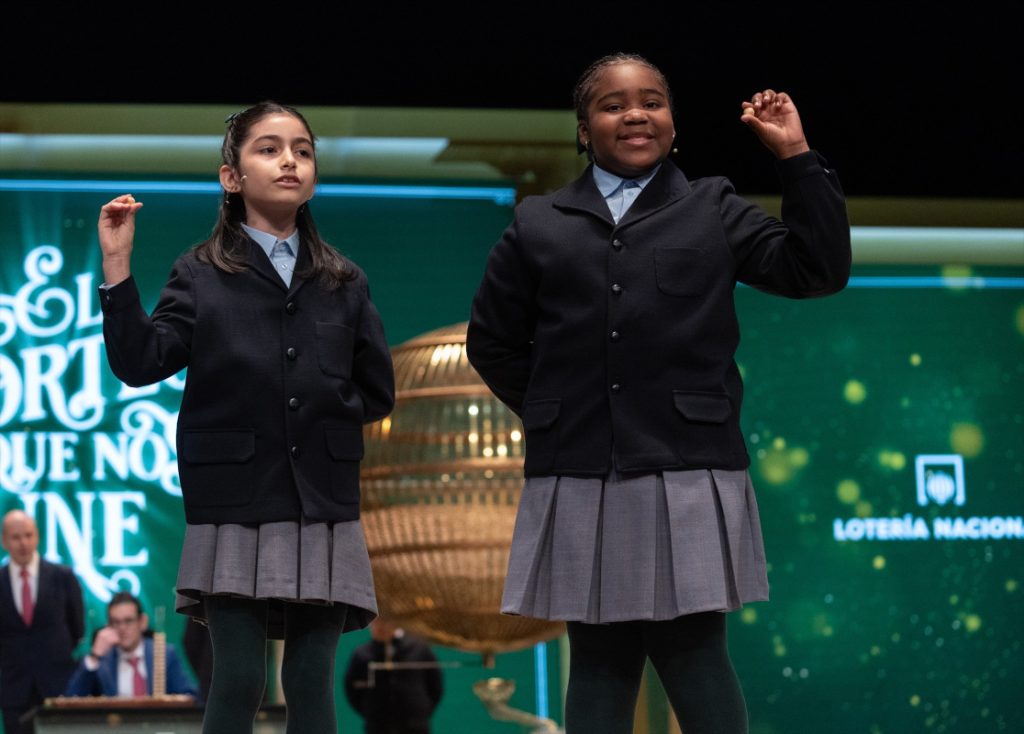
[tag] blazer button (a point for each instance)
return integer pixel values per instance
(290, 307)
(616, 387)
(294, 452)
(616, 288)
(617, 244)
(615, 336)
(293, 403)
(291, 353)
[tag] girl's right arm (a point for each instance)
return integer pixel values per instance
(117, 232)
(503, 318)
(141, 349)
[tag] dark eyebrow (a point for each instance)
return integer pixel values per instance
(621, 92)
(277, 139)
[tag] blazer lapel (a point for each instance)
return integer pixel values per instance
(107, 673)
(44, 587)
(667, 187)
(7, 606)
(303, 263)
(583, 195)
(147, 645)
(259, 262)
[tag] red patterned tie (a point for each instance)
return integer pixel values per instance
(138, 682)
(27, 608)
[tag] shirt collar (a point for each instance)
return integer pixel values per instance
(608, 182)
(266, 241)
(138, 652)
(33, 566)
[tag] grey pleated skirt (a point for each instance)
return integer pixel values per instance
(653, 547)
(293, 561)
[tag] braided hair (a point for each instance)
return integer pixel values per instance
(583, 92)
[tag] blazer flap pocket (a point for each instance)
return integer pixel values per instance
(218, 447)
(344, 444)
(703, 407)
(538, 414)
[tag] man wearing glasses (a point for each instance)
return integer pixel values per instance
(120, 662)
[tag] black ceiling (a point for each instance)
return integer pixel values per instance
(904, 99)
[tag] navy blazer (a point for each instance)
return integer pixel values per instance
(39, 656)
(615, 342)
(103, 680)
(280, 382)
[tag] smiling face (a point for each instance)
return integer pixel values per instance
(628, 124)
(276, 170)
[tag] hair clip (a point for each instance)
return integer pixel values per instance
(231, 118)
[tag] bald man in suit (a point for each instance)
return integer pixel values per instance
(41, 622)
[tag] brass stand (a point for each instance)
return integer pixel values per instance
(494, 693)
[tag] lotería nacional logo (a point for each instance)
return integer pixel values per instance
(940, 478)
(939, 482)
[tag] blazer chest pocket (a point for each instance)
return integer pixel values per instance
(217, 467)
(681, 271)
(334, 345)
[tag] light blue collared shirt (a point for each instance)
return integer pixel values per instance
(620, 193)
(282, 253)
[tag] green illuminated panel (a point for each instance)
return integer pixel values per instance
(886, 425)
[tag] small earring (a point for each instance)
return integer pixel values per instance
(243, 178)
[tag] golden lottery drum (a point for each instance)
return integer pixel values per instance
(441, 479)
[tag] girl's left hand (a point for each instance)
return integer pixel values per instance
(774, 119)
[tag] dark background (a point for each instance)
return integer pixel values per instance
(905, 99)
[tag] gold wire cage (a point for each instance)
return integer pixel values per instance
(440, 485)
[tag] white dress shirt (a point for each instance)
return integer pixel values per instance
(126, 672)
(620, 193)
(282, 253)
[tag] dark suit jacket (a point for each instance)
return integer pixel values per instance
(401, 700)
(617, 341)
(280, 382)
(103, 680)
(39, 655)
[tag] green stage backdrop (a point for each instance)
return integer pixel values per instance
(886, 425)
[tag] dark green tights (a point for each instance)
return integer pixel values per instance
(238, 629)
(690, 655)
